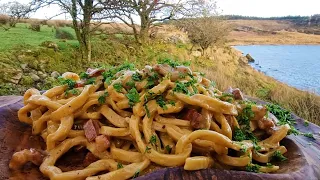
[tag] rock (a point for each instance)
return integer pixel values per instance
(23, 66)
(196, 53)
(250, 58)
(34, 77)
(55, 74)
(42, 74)
(16, 78)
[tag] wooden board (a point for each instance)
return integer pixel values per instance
(303, 153)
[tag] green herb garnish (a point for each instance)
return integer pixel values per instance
(69, 82)
(306, 123)
(269, 165)
(91, 81)
(278, 156)
(153, 140)
(102, 98)
(119, 165)
(136, 77)
(168, 149)
(131, 84)
(83, 75)
(309, 135)
(118, 87)
(133, 97)
(147, 110)
(168, 61)
(148, 150)
(136, 174)
(253, 168)
(161, 102)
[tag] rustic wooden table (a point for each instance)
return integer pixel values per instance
(303, 153)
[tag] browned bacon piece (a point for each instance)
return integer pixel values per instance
(22, 157)
(237, 94)
(266, 124)
(94, 72)
(196, 119)
(90, 158)
(165, 69)
(91, 129)
(102, 143)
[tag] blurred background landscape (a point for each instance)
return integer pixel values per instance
(37, 47)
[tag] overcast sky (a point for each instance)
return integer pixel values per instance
(261, 8)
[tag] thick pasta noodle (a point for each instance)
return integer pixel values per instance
(128, 118)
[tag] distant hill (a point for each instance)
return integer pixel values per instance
(306, 21)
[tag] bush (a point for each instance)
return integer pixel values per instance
(3, 19)
(35, 27)
(63, 34)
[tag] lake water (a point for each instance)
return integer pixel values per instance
(296, 65)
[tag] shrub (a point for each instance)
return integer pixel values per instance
(4, 19)
(35, 27)
(63, 34)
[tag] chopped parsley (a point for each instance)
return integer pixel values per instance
(131, 84)
(172, 103)
(72, 91)
(161, 102)
(136, 174)
(168, 149)
(91, 81)
(136, 77)
(168, 61)
(243, 149)
(245, 116)
(69, 82)
(246, 134)
(102, 98)
(83, 75)
(180, 87)
(109, 75)
(133, 97)
(153, 140)
(186, 63)
(118, 87)
(253, 168)
(147, 110)
(119, 165)
(284, 117)
(306, 123)
(151, 80)
(202, 74)
(148, 150)
(269, 165)
(278, 156)
(309, 135)
(213, 84)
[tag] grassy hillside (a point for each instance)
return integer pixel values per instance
(21, 60)
(272, 32)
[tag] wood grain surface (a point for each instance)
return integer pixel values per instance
(303, 153)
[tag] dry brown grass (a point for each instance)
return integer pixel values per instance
(281, 37)
(228, 70)
(268, 25)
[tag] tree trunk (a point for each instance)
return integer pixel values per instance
(83, 30)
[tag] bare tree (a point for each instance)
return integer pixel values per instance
(147, 12)
(207, 29)
(83, 13)
(15, 11)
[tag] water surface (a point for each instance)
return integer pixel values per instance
(296, 65)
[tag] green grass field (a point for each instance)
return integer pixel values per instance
(22, 35)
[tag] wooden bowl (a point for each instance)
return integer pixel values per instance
(303, 153)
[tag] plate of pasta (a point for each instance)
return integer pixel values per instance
(122, 123)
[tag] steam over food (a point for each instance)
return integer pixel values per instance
(164, 114)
